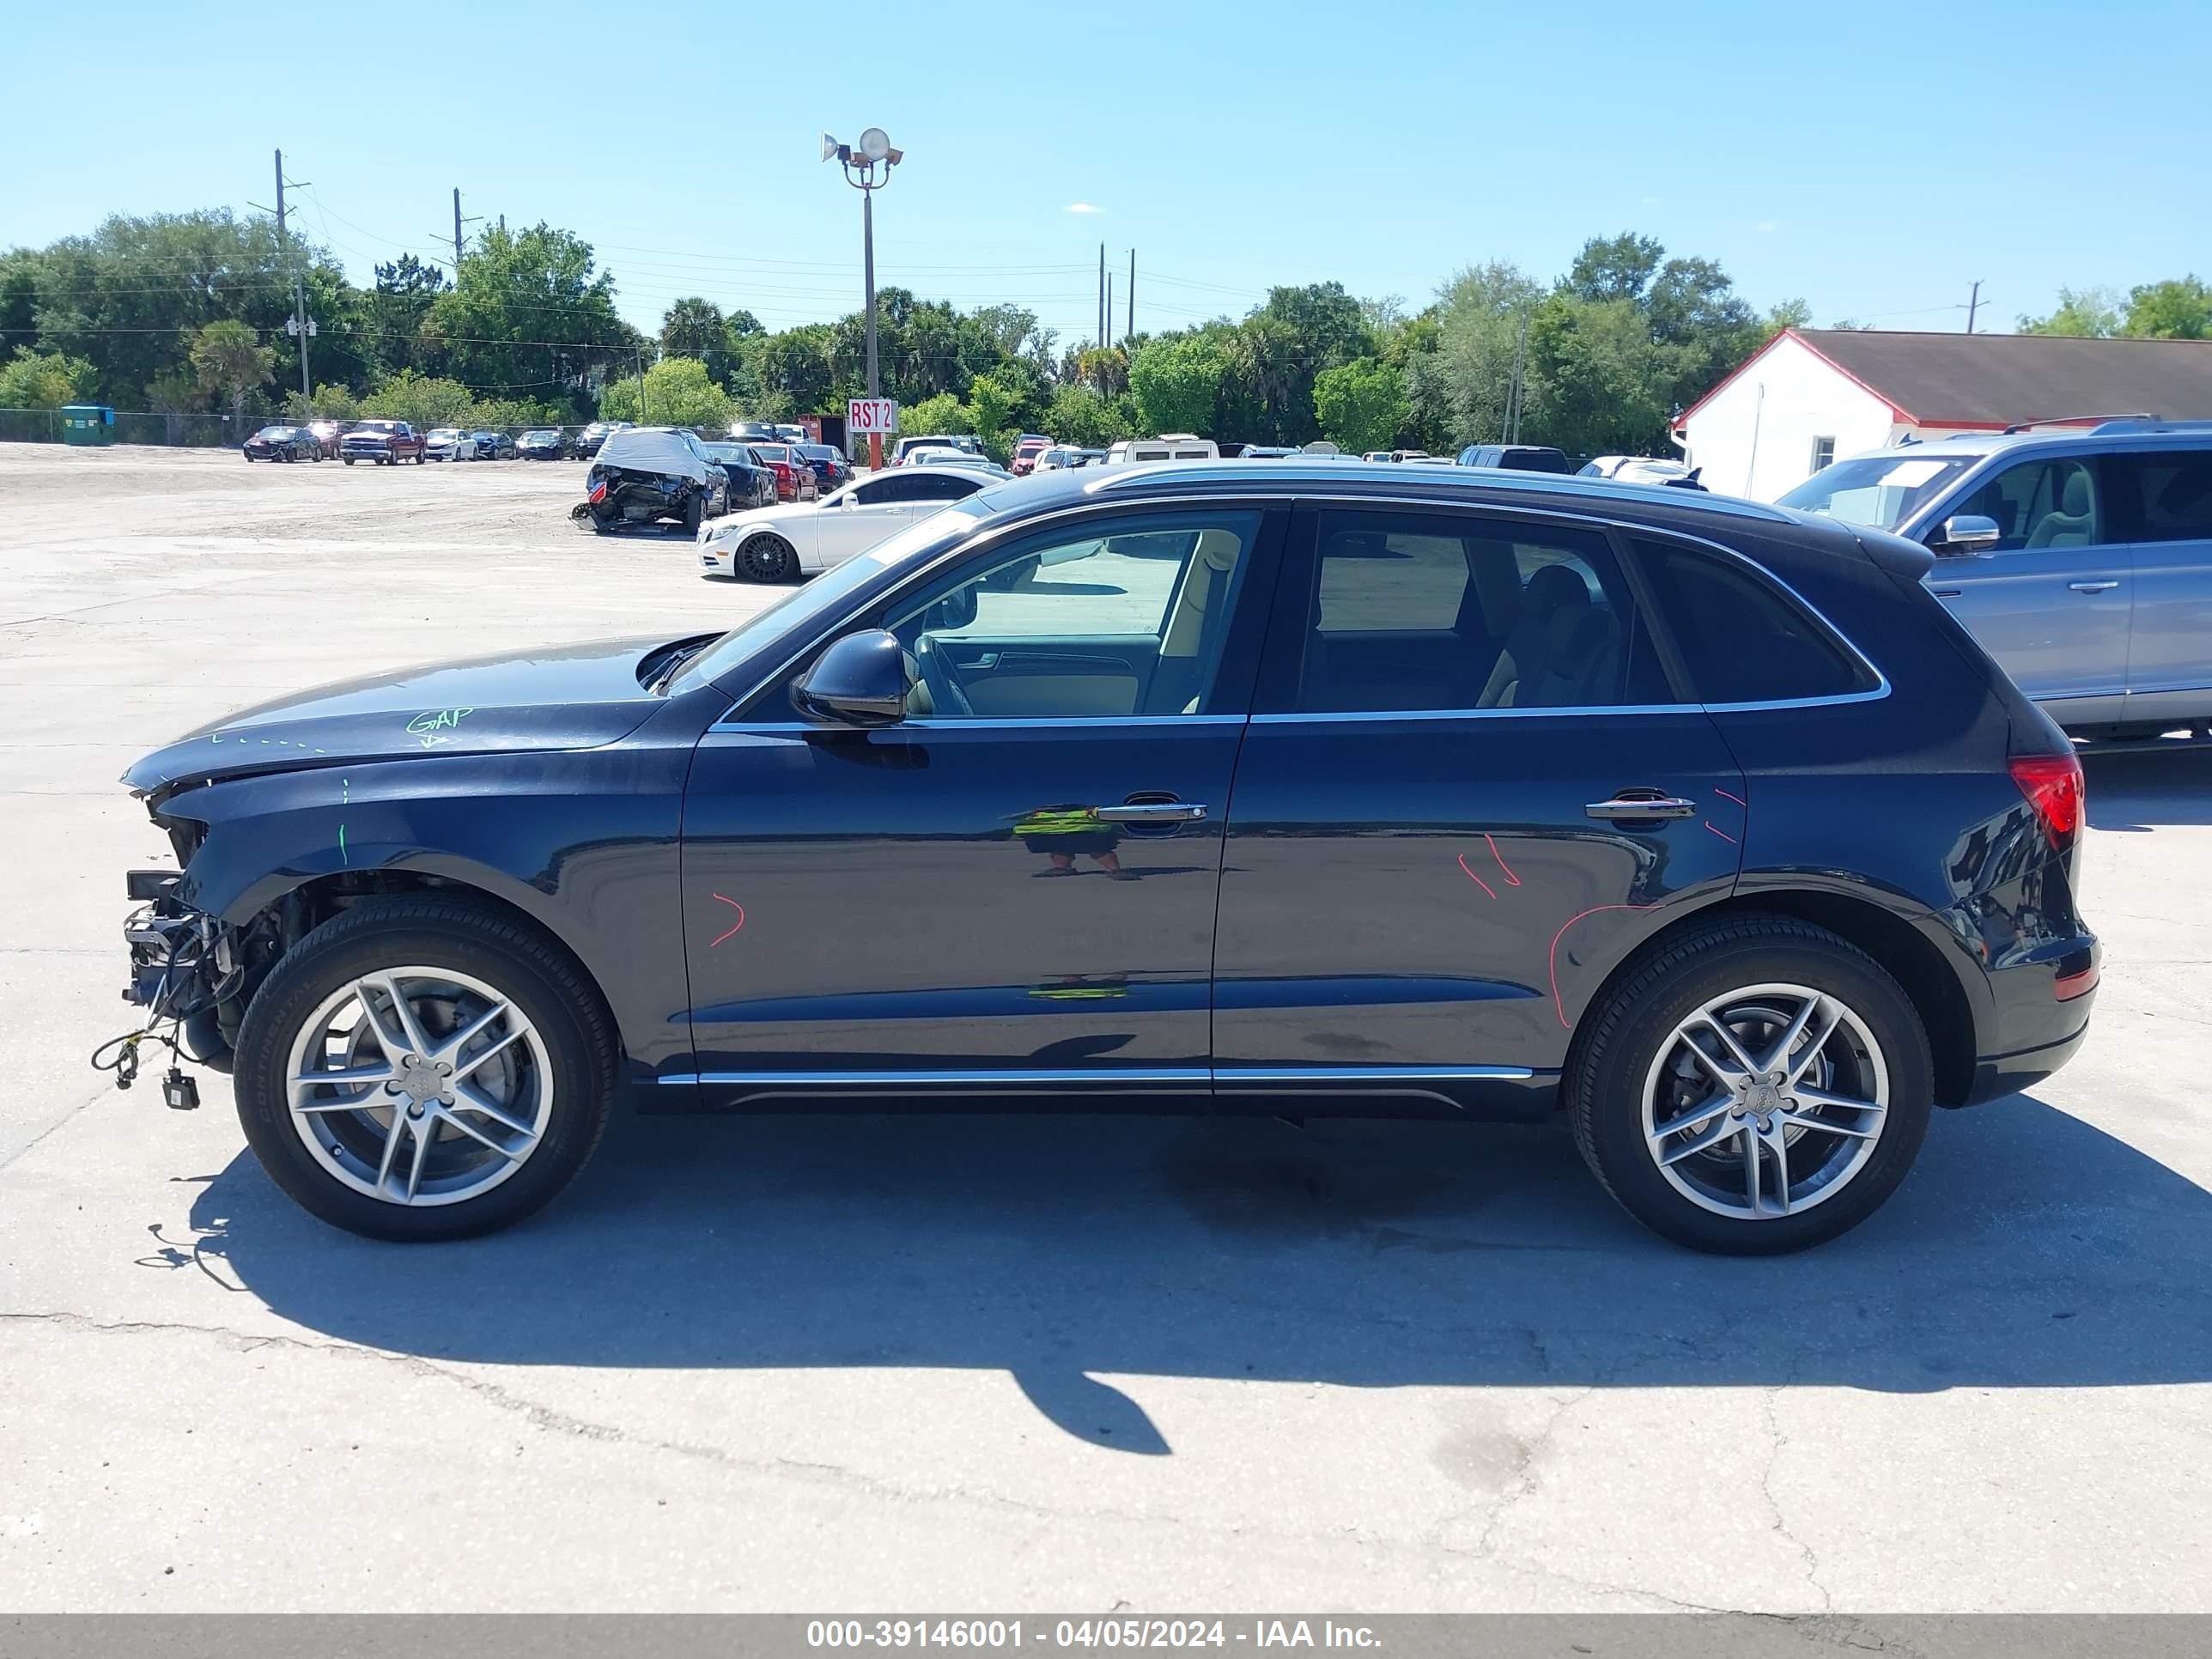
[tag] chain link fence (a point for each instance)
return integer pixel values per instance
(44, 425)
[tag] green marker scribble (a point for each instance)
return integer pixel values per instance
(345, 794)
(342, 856)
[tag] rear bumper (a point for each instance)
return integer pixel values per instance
(2042, 1007)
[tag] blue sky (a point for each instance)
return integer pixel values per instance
(1873, 159)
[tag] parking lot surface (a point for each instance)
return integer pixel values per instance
(991, 1363)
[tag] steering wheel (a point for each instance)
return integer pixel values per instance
(945, 695)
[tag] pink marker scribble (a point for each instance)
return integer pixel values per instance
(1476, 880)
(1511, 880)
(1553, 961)
(734, 926)
(1722, 834)
(1738, 800)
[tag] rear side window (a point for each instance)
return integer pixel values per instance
(2165, 496)
(1742, 639)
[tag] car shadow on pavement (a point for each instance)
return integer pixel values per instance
(2137, 791)
(2027, 1249)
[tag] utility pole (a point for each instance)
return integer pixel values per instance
(1132, 327)
(1973, 304)
(1102, 296)
(300, 327)
(1110, 302)
(1512, 433)
(457, 232)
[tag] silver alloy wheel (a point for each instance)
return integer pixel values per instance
(419, 1085)
(1765, 1102)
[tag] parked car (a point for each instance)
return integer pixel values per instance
(282, 443)
(589, 440)
(387, 443)
(545, 444)
(494, 446)
(1740, 908)
(1515, 458)
(906, 447)
(779, 544)
(450, 443)
(1266, 453)
(1641, 469)
(750, 431)
(1056, 458)
(1027, 448)
(961, 457)
(829, 466)
(752, 481)
(647, 475)
(2081, 559)
(1168, 446)
(794, 479)
(327, 434)
(791, 432)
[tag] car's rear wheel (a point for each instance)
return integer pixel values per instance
(1752, 1087)
(421, 1069)
(768, 559)
(695, 514)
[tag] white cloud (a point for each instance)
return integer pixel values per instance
(1082, 207)
(1767, 226)
(1652, 201)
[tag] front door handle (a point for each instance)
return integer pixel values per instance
(1643, 808)
(1947, 592)
(1154, 812)
(2093, 587)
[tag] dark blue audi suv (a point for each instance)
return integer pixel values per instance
(1292, 789)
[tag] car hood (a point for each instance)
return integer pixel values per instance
(573, 697)
(758, 518)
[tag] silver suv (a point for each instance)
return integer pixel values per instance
(2081, 558)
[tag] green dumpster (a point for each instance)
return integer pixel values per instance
(88, 423)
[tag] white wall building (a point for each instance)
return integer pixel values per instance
(1814, 395)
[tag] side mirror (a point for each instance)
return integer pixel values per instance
(861, 680)
(1967, 534)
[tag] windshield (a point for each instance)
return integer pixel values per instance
(1880, 491)
(823, 597)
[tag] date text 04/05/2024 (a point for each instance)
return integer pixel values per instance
(1131, 1632)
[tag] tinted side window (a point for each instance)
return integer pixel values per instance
(2164, 496)
(2039, 504)
(1743, 639)
(942, 488)
(1414, 612)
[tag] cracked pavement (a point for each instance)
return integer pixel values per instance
(996, 1362)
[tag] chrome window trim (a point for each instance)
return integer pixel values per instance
(1085, 722)
(1582, 520)
(1274, 1074)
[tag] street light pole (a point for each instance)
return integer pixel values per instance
(861, 162)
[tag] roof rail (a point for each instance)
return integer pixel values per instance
(2151, 423)
(2075, 420)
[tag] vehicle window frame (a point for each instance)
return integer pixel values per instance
(767, 705)
(1276, 696)
(2125, 524)
(2003, 463)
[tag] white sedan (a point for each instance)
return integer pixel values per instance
(450, 443)
(779, 544)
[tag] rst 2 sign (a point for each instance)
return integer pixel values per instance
(868, 416)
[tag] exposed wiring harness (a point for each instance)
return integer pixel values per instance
(191, 951)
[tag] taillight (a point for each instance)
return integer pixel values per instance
(599, 493)
(2054, 787)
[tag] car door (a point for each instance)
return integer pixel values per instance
(999, 892)
(1466, 775)
(2162, 502)
(860, 517)
(2051, 600)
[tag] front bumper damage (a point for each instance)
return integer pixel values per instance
(186, 966)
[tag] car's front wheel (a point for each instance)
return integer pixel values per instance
(1756, 1086)
(420, 1069)
(768, 558)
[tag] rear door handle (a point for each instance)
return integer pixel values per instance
(1154, 812)
(2093, 587)
(1947, 592)
(1642, 808)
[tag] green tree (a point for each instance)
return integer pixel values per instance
(795, 366)
(1361, 404)
(1615, 268)
(1175, 383)
(1461, 389)
(231, 363)
(335, 403)
(529, 312)
(2177, 309)
(943, 414)
(998, 402)
(2090, 312)
(33, 380)
(695, 327)
(422, 400)
(1599, 383)
(1078, 415)
(678, 392)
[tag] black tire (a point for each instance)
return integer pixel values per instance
(695, 514)
(767, 558)
(543, 982)
(348, 459)
(1620, 1042)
